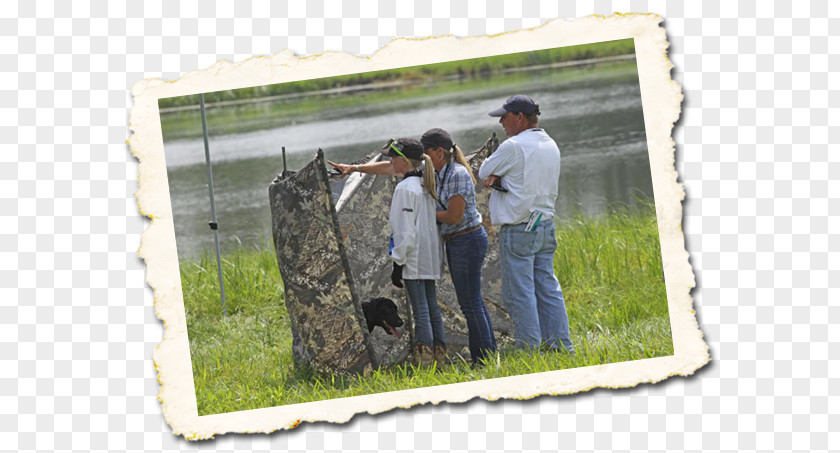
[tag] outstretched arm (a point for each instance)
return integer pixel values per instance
(376, 168)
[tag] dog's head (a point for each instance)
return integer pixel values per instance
(382, 312)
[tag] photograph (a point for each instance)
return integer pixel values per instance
(414, 227)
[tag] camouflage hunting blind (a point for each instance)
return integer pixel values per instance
(333, 256)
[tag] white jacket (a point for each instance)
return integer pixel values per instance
(417, 244)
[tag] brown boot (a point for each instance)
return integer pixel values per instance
(422, 354)
(439, 353)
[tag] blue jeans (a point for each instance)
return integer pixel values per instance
(428, 323)
(530, 289)
(465, 255)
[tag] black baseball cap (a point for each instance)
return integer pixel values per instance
(518, 103)
(434, 138)
(403, 147)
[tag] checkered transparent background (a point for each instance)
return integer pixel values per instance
(760, 112)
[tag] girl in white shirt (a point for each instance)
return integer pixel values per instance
(417, 251)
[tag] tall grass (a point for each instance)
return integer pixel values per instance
(610, 268)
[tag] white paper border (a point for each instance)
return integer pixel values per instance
(661, 98)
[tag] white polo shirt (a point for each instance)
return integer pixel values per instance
(529, 165)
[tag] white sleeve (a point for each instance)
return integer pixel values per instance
(403, 224)
(500, 162)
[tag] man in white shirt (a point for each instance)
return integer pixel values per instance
(527, 165)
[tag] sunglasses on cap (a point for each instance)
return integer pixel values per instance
(393, 145)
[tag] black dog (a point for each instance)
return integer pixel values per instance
(382, 312)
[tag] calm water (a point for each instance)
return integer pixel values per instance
(596, 119)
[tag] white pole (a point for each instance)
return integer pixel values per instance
(213, 224)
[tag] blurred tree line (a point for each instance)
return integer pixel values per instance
(472, 68)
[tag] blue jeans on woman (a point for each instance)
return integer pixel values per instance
(465, 255)
(428, 323)
(530, 289)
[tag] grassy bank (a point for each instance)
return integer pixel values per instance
(610, 268)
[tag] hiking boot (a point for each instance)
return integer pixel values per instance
(439, 353)
(422, 354)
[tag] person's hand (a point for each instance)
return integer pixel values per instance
(343, 168)
(491, 180)
(396, 275)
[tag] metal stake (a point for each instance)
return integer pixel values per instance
(213, 224)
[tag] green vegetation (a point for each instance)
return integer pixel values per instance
(476, 67)
(610, 268)
(283, 104)
(316, 106)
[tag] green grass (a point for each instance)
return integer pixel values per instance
(610, 268)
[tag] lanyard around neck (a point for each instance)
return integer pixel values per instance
(442, 183)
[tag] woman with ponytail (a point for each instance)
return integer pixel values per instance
(417, 249)
(463, 236)
(460, 230)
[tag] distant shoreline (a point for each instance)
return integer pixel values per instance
(395, 84)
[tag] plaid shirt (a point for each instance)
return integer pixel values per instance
(457, 182)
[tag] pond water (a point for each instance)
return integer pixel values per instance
(594, 114)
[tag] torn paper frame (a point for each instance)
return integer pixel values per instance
(661, 99)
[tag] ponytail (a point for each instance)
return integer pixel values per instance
(428, 174)
(429, 177)
(459, 157)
